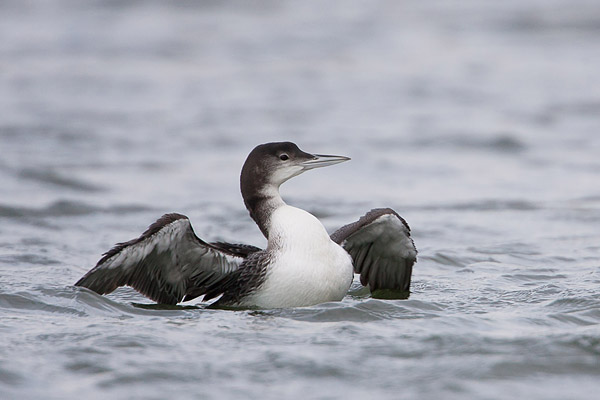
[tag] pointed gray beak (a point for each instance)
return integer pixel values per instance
(320, 160)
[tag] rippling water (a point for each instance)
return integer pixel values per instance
(478, 122)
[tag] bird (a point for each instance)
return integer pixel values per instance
(302, 265)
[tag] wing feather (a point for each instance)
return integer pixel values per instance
(381, 248)
(167, 263)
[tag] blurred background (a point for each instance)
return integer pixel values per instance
(479, 122)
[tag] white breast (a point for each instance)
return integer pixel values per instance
(306, 267)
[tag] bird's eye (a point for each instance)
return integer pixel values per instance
(284, 157)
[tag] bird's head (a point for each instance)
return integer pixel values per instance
(271, 164)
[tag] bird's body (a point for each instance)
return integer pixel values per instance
(302, 264)
(305, 266)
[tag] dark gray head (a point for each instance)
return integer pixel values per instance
(271, 164)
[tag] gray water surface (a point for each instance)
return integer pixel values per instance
(479, 122)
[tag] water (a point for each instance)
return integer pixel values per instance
(478, 122)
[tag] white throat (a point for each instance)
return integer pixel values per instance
(293, 228)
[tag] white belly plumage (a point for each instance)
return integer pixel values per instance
(306, 267)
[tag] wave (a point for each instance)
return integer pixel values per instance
(61, 208)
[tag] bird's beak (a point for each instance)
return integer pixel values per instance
(320, 160)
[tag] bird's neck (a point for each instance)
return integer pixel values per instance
(261, 203)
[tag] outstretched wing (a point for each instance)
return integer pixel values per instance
(382, 251)
(167, 263)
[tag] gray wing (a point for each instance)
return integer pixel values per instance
(167, 263)
(382, 251)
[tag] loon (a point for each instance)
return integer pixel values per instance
(302, 265)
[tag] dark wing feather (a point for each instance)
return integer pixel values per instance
(166, 263)
(242, 250)
(381, 248)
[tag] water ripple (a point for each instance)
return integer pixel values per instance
(48, 176)
(62, 208)
(29, 302)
